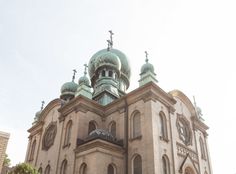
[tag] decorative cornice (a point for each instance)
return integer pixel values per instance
(198, 124)
(185, 100)
(149, 91)
(49, 107)
(98, 143)
(36, 129)
(83, 104)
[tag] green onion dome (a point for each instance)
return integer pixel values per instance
(147, 67)
(125, 70)
(37, 116)
(84, 80)
(68, 88)
(107, 59)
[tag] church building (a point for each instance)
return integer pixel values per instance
(96, 127)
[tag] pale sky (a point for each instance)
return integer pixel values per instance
(191, 44)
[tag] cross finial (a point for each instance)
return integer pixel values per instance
(42, 105)
(194, 101)
(109, 45)
(110, 41)
(73, 77)
(85, 68)
(146, 55)
(111, 38)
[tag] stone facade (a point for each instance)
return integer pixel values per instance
(146, 131)
(4, 137)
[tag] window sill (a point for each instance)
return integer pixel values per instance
(136, 138)
(164, 139)
(66, 146)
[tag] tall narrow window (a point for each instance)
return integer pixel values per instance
(110, 169)
(163, 126)
(83, 169)
(113, 128)
(68, 133)
(64, 167)
(165, 165)
(92, 126)
(203, 152)
(31, 157)
(103, 73)
(110, 73)
(47, 170)
(136, 125)
(137, 165)
(40, 170)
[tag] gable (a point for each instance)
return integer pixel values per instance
(181, 96)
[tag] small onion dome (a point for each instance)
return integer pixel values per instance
(199, 111)
(84, 81)
(100, 133)
(125, 65)
(108, 59)
(37, 116)
(147, 67)
(69, 88)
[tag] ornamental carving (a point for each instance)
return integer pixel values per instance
(184, 151)
(184, 130)
(49, 136)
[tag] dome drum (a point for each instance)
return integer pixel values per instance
(112, 59)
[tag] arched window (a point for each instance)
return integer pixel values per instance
(112, 128)
(83, 169)
(137, 165)
(40, 170)
(47, 170)
(203, 152)
(64, 167)
(68, 133)
(31, 157)
(136, 125)
(165, 165)
(92, 126)
(110, 169)
(163, 128)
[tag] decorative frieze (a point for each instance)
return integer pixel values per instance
(183, 151)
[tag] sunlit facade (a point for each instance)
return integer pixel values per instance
(96, 127)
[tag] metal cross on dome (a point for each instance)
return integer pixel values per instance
(85, 68)
(73, 77)
(146, 54)
(110, 42)
(111, 39)
(42, 105)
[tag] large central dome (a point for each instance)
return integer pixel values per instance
(125, 66)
